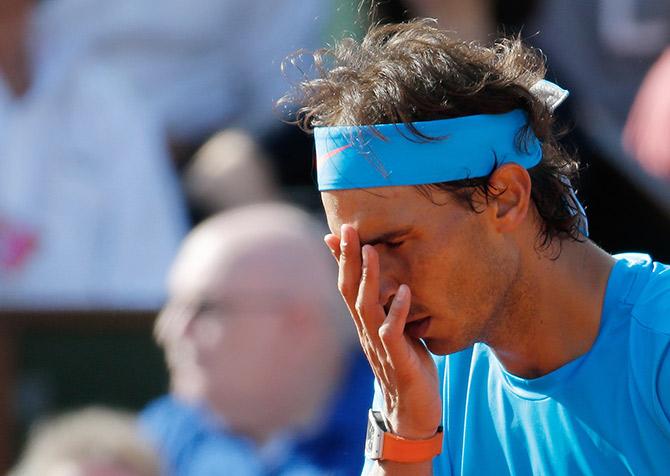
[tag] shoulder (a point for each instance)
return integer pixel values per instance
(172, 425)
(190, 443)
(165, 411)
(649, 301)
(652, 308)
(648, 294)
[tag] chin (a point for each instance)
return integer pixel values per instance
(444, 346)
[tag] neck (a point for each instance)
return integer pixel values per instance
(554, 315)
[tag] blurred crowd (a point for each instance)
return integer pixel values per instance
(100, 104)
(140, 145)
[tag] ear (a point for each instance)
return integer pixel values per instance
(510, 207)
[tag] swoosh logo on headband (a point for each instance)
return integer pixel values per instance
(331, 154)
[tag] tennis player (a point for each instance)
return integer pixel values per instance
(502, 339)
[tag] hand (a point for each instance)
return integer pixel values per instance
(402, 365)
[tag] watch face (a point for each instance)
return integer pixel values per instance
(369, 437)
(373, 439)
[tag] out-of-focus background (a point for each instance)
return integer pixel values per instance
(124, 124)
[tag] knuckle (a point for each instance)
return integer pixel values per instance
(357, 324)
(344, 287)
(344, 253)
(365, 274)
(364, 345)
(360, 306)
(385, 332)
(369, 354)
(356, 316)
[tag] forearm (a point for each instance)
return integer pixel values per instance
(391, 468)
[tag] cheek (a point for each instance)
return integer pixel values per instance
(206, 335)
(449, 276)
(209, 335)
(220, 347)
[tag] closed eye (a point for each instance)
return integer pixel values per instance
(393, 244)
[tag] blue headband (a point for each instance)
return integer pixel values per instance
(464, 147)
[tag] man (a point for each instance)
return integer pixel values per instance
(458, 234)
(84, 163)
(93, 441)
(266, 377)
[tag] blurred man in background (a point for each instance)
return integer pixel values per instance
(265, 378)
(96, 97)
(91, 213)
(610, 55)
(229, 170)
(90, 442)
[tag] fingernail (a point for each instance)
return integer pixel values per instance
(364, 253)
(402, 292)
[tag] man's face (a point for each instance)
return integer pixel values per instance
(233, 325)
(457, 267)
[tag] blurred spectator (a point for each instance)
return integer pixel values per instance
(229, 170)
(265, 375)
(472, 20)
(93, 96)
(90, 442)
(601, 51)
(200, 65)
(475, 20)
(646, 135)
(90, 210)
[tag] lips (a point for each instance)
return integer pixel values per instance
(417, 328)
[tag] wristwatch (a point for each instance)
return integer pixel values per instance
(382, 445)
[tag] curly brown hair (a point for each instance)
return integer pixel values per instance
(413, 71)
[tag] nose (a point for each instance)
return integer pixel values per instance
(388, 283)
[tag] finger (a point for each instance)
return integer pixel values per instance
(333, 243)
(391, 332)
(349, 276)
(349, 283)
(367, 302)
(350, 265)
(371, 312)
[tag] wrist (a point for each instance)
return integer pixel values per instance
(406, 428)
(381, 444)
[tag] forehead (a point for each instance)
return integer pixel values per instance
(380, 209)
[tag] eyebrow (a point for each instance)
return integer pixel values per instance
(385, 237)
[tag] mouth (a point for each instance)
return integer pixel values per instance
(417, 328)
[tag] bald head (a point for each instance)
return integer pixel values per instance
(267, 250)
(261, 254)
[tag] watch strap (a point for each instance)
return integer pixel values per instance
(403, 450)
(383, 445)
